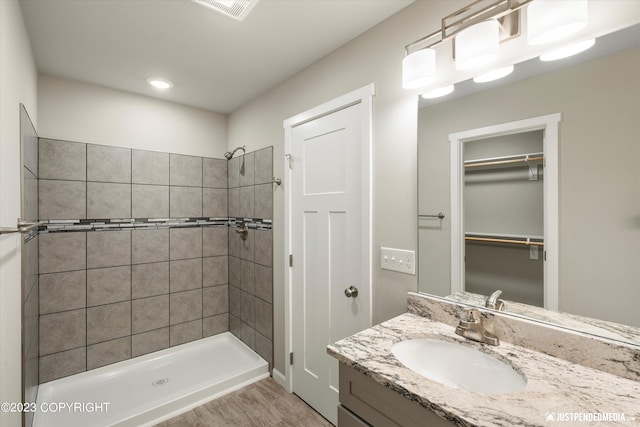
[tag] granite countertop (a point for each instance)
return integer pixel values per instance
(555, 387)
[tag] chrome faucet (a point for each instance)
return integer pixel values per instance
(473, 328)
(493, 301)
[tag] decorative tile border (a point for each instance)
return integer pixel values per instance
(70, 225)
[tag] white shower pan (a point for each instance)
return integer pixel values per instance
(148, 389)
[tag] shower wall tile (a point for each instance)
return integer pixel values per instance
(233, 168)
(108, 164)
(185, 170)
(108, 248)
(264, 347)
(264, 317)
(63, 364)
(234, 202)
(215, 241)
(247, 202)
(234, 301)
(149, 279)
(109, 352)
(264, 283)
(62, 199)
(247, 247)
(264, 165)
(185, 202)
(247, 276)
(62, 291)
(247, 308)
(149, 201)
(73, 257)
(62, 160)
(214, 203)
(185, 243)
(148, 342)
(185, 275)
(215, 324)
(149, 167)
(108, 285)
(149, 246)
(107, 322)
(247, 170)
(264, 248)
(214, 173)
(116, 294)
(264, 201)
(215, 271)
(234, 271)
(185, 332)
(215, 300)
(150, 313)
(185, 306)
(105, 200)
(62, 331)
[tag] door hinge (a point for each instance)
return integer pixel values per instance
(290, 159)
(544, 255)
(290, 260)
(291, 358)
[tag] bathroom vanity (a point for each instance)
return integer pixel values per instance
(377, 389)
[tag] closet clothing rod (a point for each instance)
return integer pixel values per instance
(527, 242)
(524, 158)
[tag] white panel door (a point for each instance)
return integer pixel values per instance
(329, 248)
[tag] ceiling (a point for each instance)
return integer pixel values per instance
(214, 62)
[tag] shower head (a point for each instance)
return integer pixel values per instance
(229, 154)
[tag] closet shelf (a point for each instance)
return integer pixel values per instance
(514, 239)
(505, 161)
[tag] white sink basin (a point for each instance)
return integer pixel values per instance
(458, 366)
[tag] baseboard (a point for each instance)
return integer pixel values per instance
(280, 379)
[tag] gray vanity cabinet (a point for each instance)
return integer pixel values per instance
(364, 402)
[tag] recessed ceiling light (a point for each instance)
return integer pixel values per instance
(567, 51)
(436, 93)
(159, 83)
(494, 74)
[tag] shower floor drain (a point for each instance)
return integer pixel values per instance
(160, 382)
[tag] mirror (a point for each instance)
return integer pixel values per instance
(597, 94)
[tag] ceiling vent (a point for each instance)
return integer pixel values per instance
(236, 9)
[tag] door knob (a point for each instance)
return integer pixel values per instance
(351, 292)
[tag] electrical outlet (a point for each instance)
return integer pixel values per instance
(400, 260)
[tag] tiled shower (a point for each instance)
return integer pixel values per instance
(139, 253)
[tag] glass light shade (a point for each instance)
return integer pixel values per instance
(567, 51)
(477, 45)
(494, 74)
(419, 69)
(549, 21)
(437, 93)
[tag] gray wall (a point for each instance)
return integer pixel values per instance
(599, 178)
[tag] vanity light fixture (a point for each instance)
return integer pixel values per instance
(567, 51)
(494, 74)
(550, 21)
(419, 69)
(158, 83)
(437, 93)
(477, 30)
(477, 45)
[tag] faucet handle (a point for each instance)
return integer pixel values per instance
(471, 315)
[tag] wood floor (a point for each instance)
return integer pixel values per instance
(262, 404)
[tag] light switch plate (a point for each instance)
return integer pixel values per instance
(400, 260)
